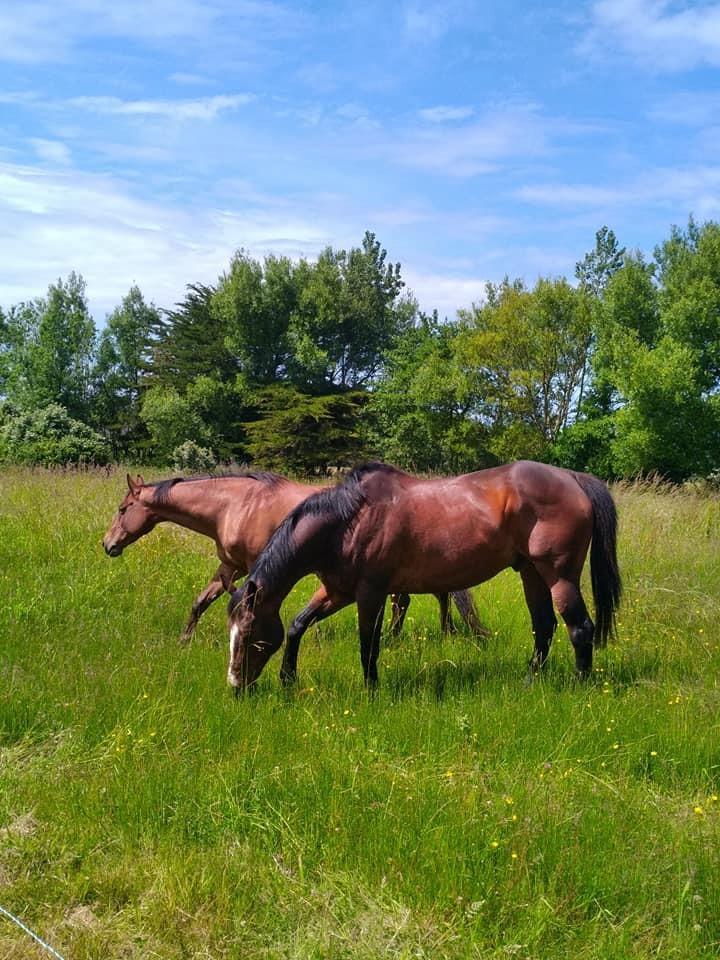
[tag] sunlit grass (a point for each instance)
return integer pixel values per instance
(145, 812)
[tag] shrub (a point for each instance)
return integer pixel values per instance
(48, 436)
(191, 456)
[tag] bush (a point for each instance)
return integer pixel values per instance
(49, 436)
(191, 456)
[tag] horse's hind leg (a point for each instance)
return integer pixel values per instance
(571, 606)
(209, 595)
(542, 614)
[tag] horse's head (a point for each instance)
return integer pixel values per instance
(256, 633)
(132, 521)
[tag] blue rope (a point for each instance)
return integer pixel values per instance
(29, 931)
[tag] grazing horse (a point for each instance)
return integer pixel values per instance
(382, 530)
(239, 512)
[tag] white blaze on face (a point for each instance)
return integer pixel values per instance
(234, 632)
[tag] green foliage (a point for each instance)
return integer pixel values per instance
(122, 363)
(349, 311)
(587, 445)
(171, 419)
(667, 426)
(595, 270)
(193, 458)
(619, 375)
(526, 351)
(192, 342)
(422, 405)
(302, 434)
(47, 350)
(689, 296)
(253, 304)
(49, 436)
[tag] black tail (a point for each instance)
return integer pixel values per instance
(465, 604)
(604, 570)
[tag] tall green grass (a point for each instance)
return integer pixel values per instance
(146, 813)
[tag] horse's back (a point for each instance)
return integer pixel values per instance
(458, 531)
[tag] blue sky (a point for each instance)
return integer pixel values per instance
(145, 142)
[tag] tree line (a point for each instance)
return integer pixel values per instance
(303, 366)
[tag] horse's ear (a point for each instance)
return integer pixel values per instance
(251, 592)
(140, 482)
(133, 487)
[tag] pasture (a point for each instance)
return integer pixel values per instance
(147, 813)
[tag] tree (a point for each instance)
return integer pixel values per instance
(525, 350)
(593, 273)
(121, 368)
(349, 312)
(689, 295)
(192, 342)
(61, 357)
(253, 304)
(304, 434)
(18, 335)
(421, 410)
(597, 267)
(666, 424)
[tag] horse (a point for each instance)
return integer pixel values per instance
(383, 530)
(240, 511)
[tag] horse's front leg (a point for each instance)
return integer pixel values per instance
(217, 586)
(371, 604)
(322, 604)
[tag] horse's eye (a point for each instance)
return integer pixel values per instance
(121, 510)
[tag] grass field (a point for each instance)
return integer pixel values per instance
(146, 813)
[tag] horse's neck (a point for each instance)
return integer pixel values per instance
(194, 505)
(298, 560)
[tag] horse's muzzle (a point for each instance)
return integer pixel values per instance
(112, 551)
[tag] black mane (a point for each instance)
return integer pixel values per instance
(163, 487)
(338, 506)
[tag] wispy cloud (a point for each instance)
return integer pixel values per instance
(203, 108)
(697, 109)
(471, 149)
(39, 31)
(52, 151)
(692, 189)
(656, 33)
(445, 114)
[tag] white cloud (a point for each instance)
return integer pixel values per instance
(570, 195)
(471, 149)
(697, 109)
(202, 108)
(689, 189)
(52, 151)
(40, 31)
(445, 292)
(445, 114)
(656, 33)
(52, 223)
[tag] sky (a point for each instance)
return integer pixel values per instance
(145, 142)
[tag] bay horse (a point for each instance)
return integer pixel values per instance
(383, 530)
(239, 511)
